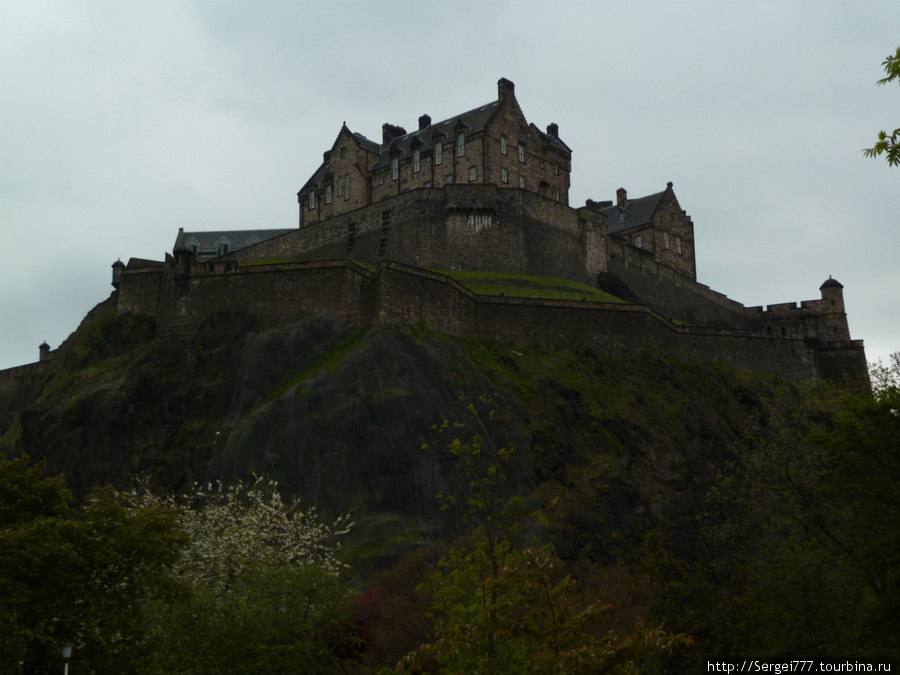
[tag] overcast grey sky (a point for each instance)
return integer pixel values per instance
(122, 121)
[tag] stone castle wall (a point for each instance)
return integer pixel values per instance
(399, 294)
(472, 227)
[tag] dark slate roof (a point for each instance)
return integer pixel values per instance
(637, 212)
(473, 121)
(831, 283)
(553, 141)
(236, 239)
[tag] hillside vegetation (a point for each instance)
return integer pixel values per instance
(658, 482)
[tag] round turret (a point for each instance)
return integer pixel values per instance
(44, 351)
(117, 268)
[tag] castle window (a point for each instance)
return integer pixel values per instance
(448, 178)
(438, 153)
(638, 241)
(556, 169)
(312, 200)
(521, 152)
(504, 175)
(347, 187)
(678, 245)
(666, 239)
(417, 162)
(522, 182)
(327, 194)
(461, 144)
(473, 173)
(428, 184)
(503, 145)
(340, 186)
(343, 152)
(395, 168)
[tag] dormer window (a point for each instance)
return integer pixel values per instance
(461, 144)
(395, 168)
(438, 153)
(327, 194)
(312, 200)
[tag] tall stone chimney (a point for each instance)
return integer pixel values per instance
(621, 197)
(424, 122)
(505, 89)
(389, 132)
(553, 129)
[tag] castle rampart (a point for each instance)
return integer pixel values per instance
(472, 227)
(396, 293)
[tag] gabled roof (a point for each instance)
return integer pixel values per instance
(637, 212)
(323, 173)
(473, 121)
(236, 239)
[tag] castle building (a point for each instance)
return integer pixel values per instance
(490, 145)
(384, 227)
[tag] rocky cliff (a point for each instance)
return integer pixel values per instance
(339, 418)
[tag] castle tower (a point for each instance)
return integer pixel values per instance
(833, 323)
(44, 351)
(117, 268)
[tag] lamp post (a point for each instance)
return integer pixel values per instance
(66, 656)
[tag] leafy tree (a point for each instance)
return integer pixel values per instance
(273, 619)
(264, 579)
(810, 519)
(77, 577)
(888, 144)
(501, 608)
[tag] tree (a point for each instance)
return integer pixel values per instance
(263, 580)
(503, 608)
(80, 577)
(810, 520)
(889, 144)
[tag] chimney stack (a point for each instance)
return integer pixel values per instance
(621, 197)
(389, 132)
(424, 122)
(44, 352)
(553, 129)
(505, 88)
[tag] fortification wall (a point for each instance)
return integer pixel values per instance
(399, 294)
(636, 276)
(458, 226)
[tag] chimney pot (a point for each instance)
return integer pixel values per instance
(424, 122)
(621, 197)
(553, 129)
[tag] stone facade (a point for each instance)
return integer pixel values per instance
(493, 144)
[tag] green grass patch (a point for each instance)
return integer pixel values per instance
(528, 286)
(328, 362)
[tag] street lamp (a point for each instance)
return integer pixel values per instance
(67, 656)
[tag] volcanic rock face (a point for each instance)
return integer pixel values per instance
(340, 419)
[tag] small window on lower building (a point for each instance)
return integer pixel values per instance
(473, 173)
(639, 241)
(448, 178)
(521, 181)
